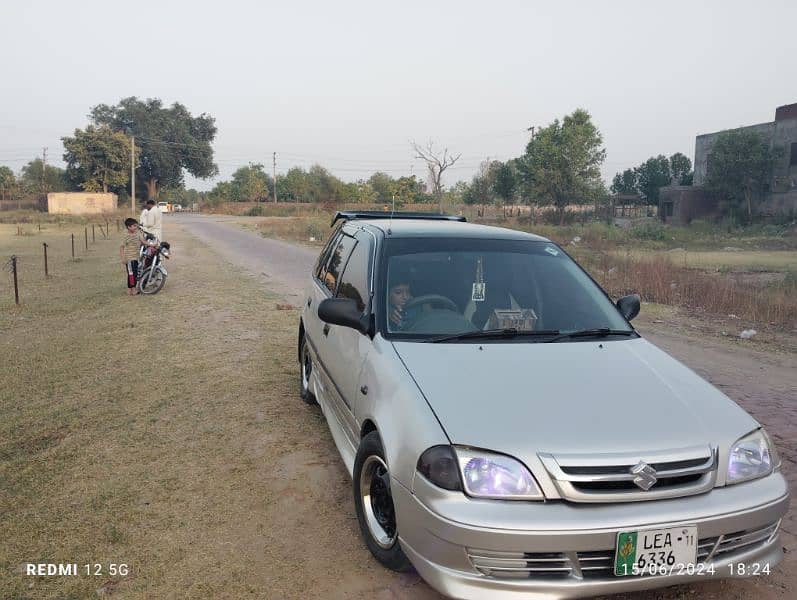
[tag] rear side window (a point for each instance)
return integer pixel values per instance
(330, 272)
(354, 280)
(322, 258)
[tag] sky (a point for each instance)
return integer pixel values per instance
(350, 84)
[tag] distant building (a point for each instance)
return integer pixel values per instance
(80, 203)
(780, 196)
(680, 204)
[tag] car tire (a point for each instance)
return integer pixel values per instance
(305, 370)
(374, 504)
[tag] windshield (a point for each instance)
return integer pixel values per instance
(440, 287)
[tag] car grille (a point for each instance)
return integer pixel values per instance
(600, 563)
(615, 477)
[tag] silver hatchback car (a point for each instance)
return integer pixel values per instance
(509, 433)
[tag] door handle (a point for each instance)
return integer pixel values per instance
(326, 329)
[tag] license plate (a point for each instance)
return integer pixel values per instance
(655, 551)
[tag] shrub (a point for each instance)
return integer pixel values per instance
(649, 231)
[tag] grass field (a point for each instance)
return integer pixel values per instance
(140, 430)
(746, 260)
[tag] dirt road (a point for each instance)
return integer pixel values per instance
(763, 383)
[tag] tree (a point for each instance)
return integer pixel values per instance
(251, 184)
(294, 185)
(681, 169)
(479, 191)
(562, 161)
(436, 164)
(653, 174)
(502, 180)
(171, 139)
(97, 159)
(383, 186)
(322, 185)
(7, 181)
(408, 190)
(740, 168)
(35, 178)
(625, 182)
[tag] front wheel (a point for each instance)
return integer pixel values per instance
(373, 502)
(305, 370)
(151, 285)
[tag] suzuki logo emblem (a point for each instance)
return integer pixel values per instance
(645, 475)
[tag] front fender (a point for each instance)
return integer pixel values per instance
(162, 269)
(406, 424)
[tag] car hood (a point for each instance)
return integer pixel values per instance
(601, 397)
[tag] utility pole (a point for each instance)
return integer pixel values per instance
(44, 170)
(133, 176)
(274, 158)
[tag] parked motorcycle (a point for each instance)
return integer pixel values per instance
(151, 272)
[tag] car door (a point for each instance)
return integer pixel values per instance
(324, 286)
(348, 347)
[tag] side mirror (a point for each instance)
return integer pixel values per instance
(629, 306)
(342, 311)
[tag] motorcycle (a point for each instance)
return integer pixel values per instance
(151, 272)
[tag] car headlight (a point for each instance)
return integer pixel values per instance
(488, 475)
(751, 457)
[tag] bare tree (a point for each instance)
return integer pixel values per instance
(436, 163)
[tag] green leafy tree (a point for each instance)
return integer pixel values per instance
(7, 182)
(740, 168)
(653, 174)
(562, 162)
(625, 182)
(502, 180)
(294, 185)
(681, 169)
(408, 190)
(221, 192)
(97, 159)
(251, 184)
(171, 140)
(32, 182)
(323, 187)
(383, 185)
(479, 191)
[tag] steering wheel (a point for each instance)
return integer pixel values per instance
(433, 299)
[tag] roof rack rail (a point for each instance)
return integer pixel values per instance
(351, 215)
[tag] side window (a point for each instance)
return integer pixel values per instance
(322, 258)
(354, 280)
(330, 272)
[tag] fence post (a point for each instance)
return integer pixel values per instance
(86, 234)
(16, 284)
(93, 235)
(73, 246)
(46, 271)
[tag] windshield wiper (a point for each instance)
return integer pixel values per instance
(596, 333)
(510, 332)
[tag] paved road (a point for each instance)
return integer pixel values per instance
(764, 383)
(283, 266)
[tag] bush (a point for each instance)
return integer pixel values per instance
(649, 231)
(255, 211)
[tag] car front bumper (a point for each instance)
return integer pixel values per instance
(468, 548)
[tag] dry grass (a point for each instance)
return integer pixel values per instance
(659, 279)
(747, 260)
(160, 432)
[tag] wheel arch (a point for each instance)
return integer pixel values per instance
(299, 341)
